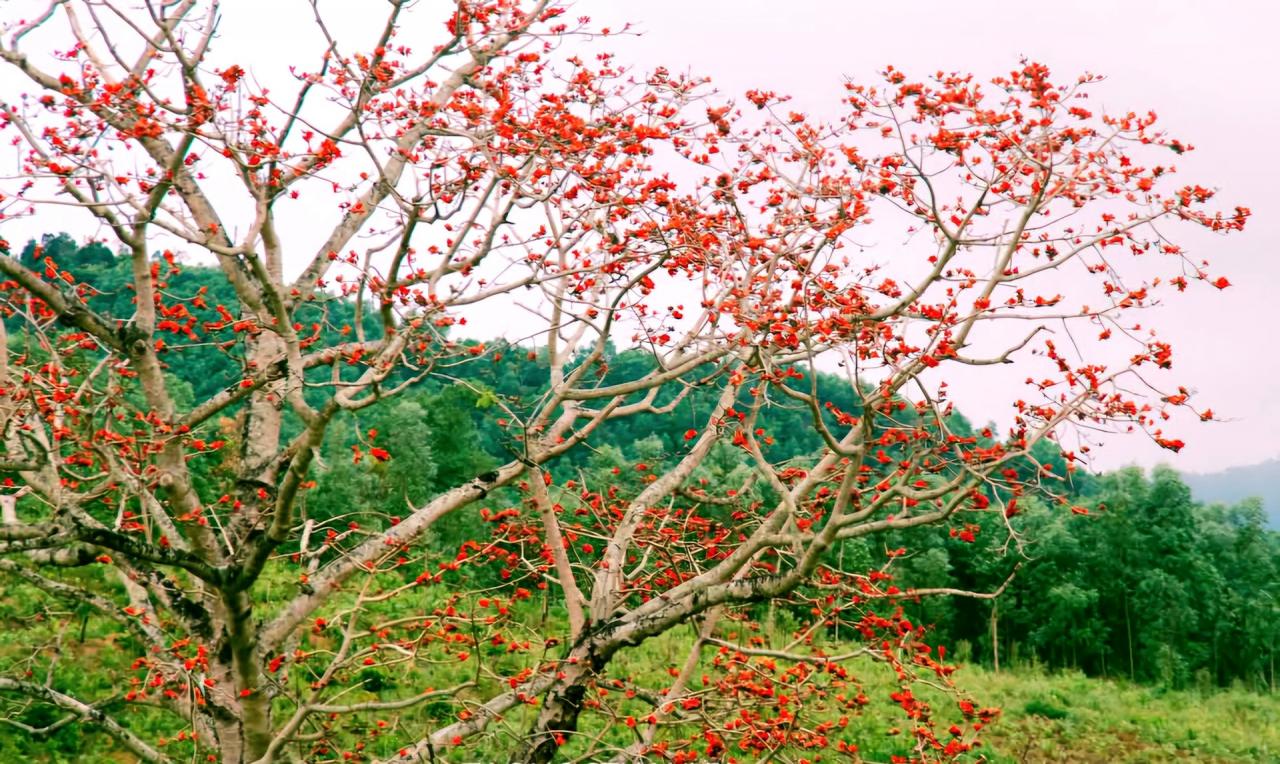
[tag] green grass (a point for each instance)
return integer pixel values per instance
(1049, 717)
(1046, 717)
(1100, 720)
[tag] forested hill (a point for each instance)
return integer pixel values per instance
(1261, 480)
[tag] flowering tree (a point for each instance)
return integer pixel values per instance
(402, 186)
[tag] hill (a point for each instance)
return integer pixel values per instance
(1231, 485)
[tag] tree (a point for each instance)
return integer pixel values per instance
(432, 181)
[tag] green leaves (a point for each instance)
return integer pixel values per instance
(486, 398)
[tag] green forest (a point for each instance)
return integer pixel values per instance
(1123, 575)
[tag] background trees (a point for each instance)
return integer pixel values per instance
(310, 553)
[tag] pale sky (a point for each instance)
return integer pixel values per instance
(1208, 69)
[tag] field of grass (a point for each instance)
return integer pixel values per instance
(1067, 718)
(1062, 717)
(1045, 717)
(1072, 718)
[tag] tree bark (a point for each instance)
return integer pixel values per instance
(255, 706)
(1128, 632)
(562, 704)
(995, 637)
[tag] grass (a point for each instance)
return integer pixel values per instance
(1063, 717)
(1046, 717)
(1072, 718)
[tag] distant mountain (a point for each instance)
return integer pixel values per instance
(1232, 485)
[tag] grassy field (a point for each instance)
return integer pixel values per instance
(1064, 717)
(1068, 718)
(1045, 717)
(1072, 718)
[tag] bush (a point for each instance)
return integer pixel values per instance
(1044, 708)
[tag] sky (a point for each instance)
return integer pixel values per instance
(1208, 69)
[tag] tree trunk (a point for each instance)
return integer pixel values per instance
(995, 637)
(1128, 631)
(9, 509)
(1217, 674)
(558, 718)
(231, 742)
(247, 737)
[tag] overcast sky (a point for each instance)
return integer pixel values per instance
(1208, 69)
